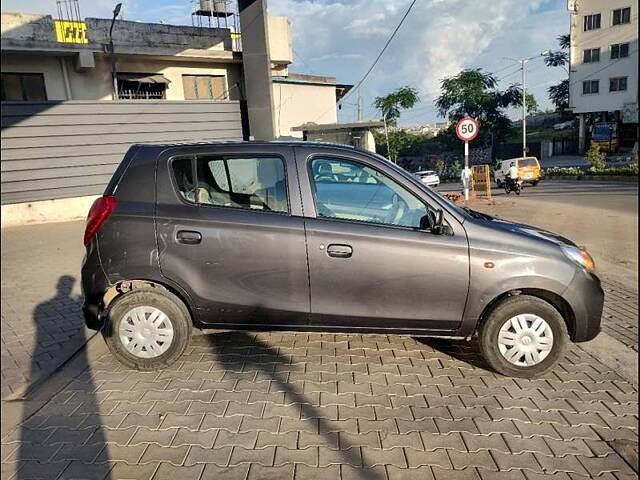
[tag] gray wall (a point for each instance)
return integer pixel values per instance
(69, 149)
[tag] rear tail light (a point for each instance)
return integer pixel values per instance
(98, 214)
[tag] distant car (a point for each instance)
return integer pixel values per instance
(428, 177)
(563, 125)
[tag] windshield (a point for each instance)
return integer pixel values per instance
(603, 131)
(527, 162)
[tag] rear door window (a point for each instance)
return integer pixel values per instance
(255, 183)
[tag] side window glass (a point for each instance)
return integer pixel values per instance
(183, 172)
(251, 183)
(351, 191)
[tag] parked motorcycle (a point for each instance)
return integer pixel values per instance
(512, 185)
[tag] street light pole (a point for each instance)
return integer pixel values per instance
(523, 64)
(524, 109)
(386, 134)
(114, 78)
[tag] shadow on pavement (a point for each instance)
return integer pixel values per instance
(254, 358)
(463, 350)
(48, 446)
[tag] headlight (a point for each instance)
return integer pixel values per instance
(580, 257)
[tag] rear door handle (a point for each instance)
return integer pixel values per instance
(339, 251)
(189, 237)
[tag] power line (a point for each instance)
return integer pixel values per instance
(395, 31)
(383, 49)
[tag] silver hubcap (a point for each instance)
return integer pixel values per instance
(146, 332)
(525, 340)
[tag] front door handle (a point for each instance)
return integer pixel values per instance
(339, 251)
(189, 237)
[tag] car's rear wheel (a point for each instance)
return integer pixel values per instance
(147, 329)
(524, 336)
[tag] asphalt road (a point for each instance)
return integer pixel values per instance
(619, 197)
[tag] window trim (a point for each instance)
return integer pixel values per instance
(194, 170)
(593, 15)
(590, 83)
(617, 79)
(312, 184)
(590, 50)
(621, 10)
(619, 56)
(20, 76)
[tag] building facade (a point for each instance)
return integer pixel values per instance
(71, 106)
(603, 78)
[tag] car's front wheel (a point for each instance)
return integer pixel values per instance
(524, 336)
(147, 329)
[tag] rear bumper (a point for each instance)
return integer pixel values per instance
(94, 285)
(586, 298)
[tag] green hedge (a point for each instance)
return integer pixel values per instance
(575, 171)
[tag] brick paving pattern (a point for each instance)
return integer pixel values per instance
(301, 406)
(282, 405)
(620, 315)
(42, 323)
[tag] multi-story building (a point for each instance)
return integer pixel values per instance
(603, 78)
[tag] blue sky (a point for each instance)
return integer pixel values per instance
(342, 37)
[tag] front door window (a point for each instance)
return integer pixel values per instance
(348, 190)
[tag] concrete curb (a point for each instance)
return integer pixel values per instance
(594, 178)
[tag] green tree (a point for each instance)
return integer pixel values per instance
(532, 104)
(440, 166)
(596, 158)
(474, 93)
(401, 99)
(559, 94)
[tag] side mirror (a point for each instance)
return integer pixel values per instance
(436, 223)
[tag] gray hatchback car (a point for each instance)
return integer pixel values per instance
(320, 237)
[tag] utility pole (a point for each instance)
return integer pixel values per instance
(359, 106)
(114, 78)
(524, 109)
(386, 134)
(523, 64)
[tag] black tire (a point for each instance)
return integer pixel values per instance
(161, 299)
(509, 308)
(518, 190)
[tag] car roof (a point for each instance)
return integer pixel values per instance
(291, 143)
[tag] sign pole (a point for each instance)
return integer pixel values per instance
(466, 169)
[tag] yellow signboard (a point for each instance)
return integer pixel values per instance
(71, 32)
(481, 179)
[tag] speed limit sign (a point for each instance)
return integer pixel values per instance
(467, 129)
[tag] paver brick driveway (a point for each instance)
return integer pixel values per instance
(306, 406)
(281, 405)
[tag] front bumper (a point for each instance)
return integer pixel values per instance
(586, 298)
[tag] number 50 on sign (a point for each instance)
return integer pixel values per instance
(467, 129)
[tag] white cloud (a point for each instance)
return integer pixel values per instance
(438, 39)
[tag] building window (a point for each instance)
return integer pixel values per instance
(23, 87)
(618, 84)
(591, 55)
(619, 50)
(590, 86)
(592, 22)
(204, 87)
(621, 15)
(141, 86)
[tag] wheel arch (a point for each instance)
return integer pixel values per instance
(555, 300)
(123, 286)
